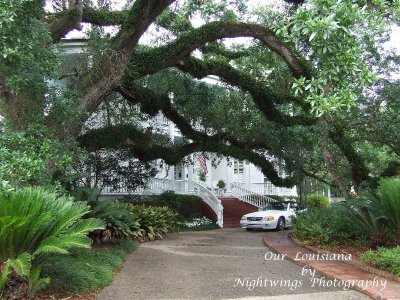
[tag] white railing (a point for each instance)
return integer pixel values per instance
(158, 186)
(267, 188)
(212, 201)
(154, 186)
(250, 197)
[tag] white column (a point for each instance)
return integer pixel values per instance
(229, 177)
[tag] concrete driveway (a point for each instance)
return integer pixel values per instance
(216, 264)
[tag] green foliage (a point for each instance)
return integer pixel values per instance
(383, 258)
(154, 222)
(389, 204)
(317, 201)
(25, 44)
(30, 157)
(119, 221)
(202, 176)
(329, 225)
(378, 213)
(337, 36)
(221, 184)
(187, 206)
(86, 270)
(370, 218)
(124, 220)
(36, 223)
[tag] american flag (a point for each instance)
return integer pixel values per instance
(203, 163)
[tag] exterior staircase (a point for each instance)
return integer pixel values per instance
(234, 209)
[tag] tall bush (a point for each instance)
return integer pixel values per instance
(328, 225)
(317, 201)
(187, 206)
(389, 203)
(35, 223)
(120, 223)
(154, 222)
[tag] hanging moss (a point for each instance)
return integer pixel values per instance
(103, 16)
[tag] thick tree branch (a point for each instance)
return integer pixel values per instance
(264, 97)
(142, 14)
(359, 170)
(64, 23)
(143, 146)
(152, 103)
(167, 56)
(329, 161)
(107, 72)
(319, 178)
(103, 17)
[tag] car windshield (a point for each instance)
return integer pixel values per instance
(276, 206)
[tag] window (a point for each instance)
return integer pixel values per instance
(238, 170)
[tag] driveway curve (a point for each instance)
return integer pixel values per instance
(216, 264)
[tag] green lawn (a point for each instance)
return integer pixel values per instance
(86, 270)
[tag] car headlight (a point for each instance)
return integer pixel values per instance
(269, 218)
(243, 218)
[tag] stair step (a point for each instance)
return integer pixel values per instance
(234, 209)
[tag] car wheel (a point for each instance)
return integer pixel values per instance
(281, 224)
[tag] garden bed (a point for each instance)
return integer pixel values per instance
(355, 251)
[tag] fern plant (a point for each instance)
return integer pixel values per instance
(389, 202)
(35, 223)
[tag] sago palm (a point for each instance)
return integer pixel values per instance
(34, 223)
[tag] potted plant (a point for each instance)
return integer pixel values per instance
(221, 185)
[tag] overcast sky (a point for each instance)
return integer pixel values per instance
(393, 43)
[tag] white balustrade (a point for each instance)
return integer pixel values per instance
(267, 188)
(250, 197)
(212, 201)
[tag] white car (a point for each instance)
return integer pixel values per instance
(276, 215)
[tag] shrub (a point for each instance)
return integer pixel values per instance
(118, 220)
(202, 176)
(389, 205)
(317, 201)
(154, 222)
(31, 158)
(379, 214)
(329, 225)
(35, 223)
(187, 206)
(221, 184)
(383, 258)
(365, 214)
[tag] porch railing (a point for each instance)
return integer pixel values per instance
(267, 188)
(250, 197)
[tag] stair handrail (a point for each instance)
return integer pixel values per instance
(212, 201)
(250, 197)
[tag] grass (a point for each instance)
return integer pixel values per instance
(86, 270)
(384, 258)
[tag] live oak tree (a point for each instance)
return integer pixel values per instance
(281, 94)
